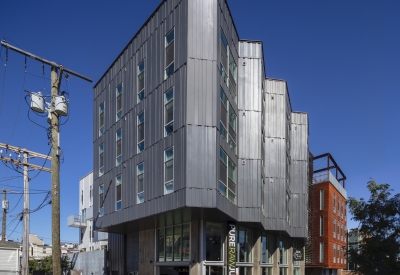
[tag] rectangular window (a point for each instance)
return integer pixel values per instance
(169, 170)
(214, 242)
(140, 132)
(283, 271)
(169, 112)
(334, 203)
(169, 53)
(173, 243)
(334, 253)
(228, 176)
(228, 120)
(244, 244)
(118, 195)
(338, 206)
(321, 225)
(118, 141)
(334, 228)
(224, 58)
(140, 69)
(140, 178)
(266, 270)
(338, 230)
(267, 248)
(101, 159)
(82, 197)
(119, 101)
(283, 259)
(321, 252)
(101, 119)
(245, 270)
(321, 199)
(101, 200)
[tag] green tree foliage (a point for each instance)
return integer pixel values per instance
(46, 264)
(379, 227)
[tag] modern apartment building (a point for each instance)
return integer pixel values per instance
(328, 234)
(200, 164)
(89, 239)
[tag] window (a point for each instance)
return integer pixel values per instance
(321, 199)
(287, 208)
(267, 249)
(169, 170)
(296, 271)
(334, 203)
(227, 178)
(118, 195)
(140, 69)
(282, 252)
(266, 271)
(169, 112)
(140, 132)
(227, 60)
(90, 234)
(214, 242)
(283, 271)
(338, 206)
(321, 225)
(321, 252)
(244, 244)
(227, 119)
(83, 215)
(338, 230)
(118, 141)
(212, 269)
(334, 253)
(140, 188)
(101, 119)
(119, 102)
(101, 200)
(169, 53)
(334, 228)
(245, 270)
(82, 197)
(174, 243)
(101, 159)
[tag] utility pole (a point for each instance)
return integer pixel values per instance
(55, 150)
(17, 162)
(3, 224)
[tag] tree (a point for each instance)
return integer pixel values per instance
(379, 227)
(46, 264)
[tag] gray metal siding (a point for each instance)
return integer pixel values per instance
(249, 187)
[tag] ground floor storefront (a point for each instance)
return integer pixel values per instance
(203, 247)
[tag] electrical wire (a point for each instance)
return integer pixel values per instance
(16, 204)
(19, 104)
(4, 80)
(13, 230)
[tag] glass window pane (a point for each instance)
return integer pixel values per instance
(223, 131)
(169, 70)
(140, 117)
(224, 114)
(169, 53)
(169, 170)
(141, 81)
(161, 244)
(140, 183)
(222, 173)
(141, 132)
(169, 153)
(141, 96)
(222, 156)
(169, 187)
(222, 188)
(185, 242)
(118, 192)
(169, 95)
(232, 170)
(140, 197)
(140, 146)
(170, 37)
(169, 128)
(223, 41)
(141, 67)
(214, 242)
(168, 243)
(169, 112)
(177, 243)
(119, 102)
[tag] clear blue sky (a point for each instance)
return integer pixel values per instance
(341, 60)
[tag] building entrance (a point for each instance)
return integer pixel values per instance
(176, 270)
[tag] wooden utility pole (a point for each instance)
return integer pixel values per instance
(55, 175)
(3, 224)
(26, 165)
(55, 150)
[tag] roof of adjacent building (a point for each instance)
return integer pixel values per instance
(9, 244)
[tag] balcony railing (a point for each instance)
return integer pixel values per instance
(76, 221)
(326, 176)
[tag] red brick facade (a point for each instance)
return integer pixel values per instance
(334, 235)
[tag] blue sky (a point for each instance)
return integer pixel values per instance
(341, 60)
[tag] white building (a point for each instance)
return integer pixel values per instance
(37, 248)
(9, 257)
(89, 239)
